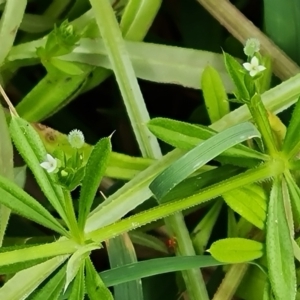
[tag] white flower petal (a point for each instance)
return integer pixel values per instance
(50, 164)
(261, 68)
(45, 165)
(254, 61)
(247, 66)
(253, 72)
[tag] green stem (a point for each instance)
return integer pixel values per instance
(229, 16)
(125, 76)
(139, 117)
(70, 213)
(229, 285)
(265, 171)
(259, 114)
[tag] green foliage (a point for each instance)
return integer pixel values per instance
(243, 158)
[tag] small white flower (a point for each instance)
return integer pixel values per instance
(50, 164)
(252, 46)
(76, 138)
(253, 67)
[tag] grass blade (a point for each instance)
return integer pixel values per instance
(121, 252)
(199, 156)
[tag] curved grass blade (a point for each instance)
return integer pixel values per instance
(186, 136)
(156, 266)
(94, 172)
(280, 254)
(199, 156)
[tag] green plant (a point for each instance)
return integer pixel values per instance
(254, 167)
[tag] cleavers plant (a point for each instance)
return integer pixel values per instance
(254, 170)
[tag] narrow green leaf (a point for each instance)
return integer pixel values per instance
(10, 21)
(280, 255)
(53, 288)
(137, 18)
(121, 252)
(260, 117)
(156, 266)
(148, 240)
(77, 260)
(6, 168)
(53, 92)
(215, 96)
(291, 142)
(250, 202)
(237, 74)
(20, 202)
(236, 250)
(94, 171)
(95, 287)
(27, 281)
(202, 231)
(32, 150)
(186, 136)
(77, 292)
(152, 62)
(232, 226)
(194, 184)
(199, 156)
(37, 252)
(125, 76)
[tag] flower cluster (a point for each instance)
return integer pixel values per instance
(69, 171)
(251, 49)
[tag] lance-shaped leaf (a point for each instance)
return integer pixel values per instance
(94, 171)
(186, 136)
(236, 250)
(215, 96)
(27, 281)
(20, 202)
(77, 292)
(77, 260)
(95, 287)
(199, 156)
(53, 288)
(237, 74)
(280, 255)
(250, 202)
(33, 152)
